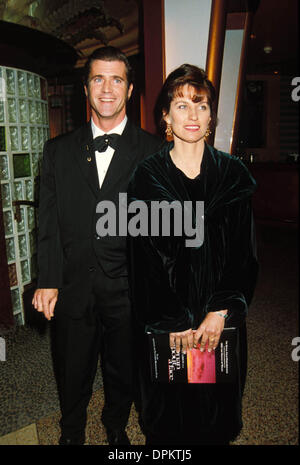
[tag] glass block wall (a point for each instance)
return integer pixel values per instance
(24, 127)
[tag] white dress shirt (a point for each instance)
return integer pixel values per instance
(103, 159)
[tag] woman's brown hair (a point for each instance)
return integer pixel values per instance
(185, 74)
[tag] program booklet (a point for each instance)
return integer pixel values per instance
(218, 366)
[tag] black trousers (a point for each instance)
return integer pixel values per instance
(105, 330)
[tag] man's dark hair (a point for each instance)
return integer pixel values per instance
(108, 54)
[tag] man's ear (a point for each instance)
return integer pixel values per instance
(85, 91)
(130, 89)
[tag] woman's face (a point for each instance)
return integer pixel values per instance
(189, 119)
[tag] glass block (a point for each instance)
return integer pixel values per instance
(15, 298)
(12, 274)
(12, 110)
(40, 138)
(31, 217)
(46, 134)
(39, 114)
(25, 271)
(21, 78)
(25, 138)
(29, 194)
(30, 84)
(2, 113)
(8, 222)
(34, 138)
(23, 111)
(18, 188)
(21, 223)
(19, 319)
(2, 86)
(32, 242)
(45, 113)
(21, 163)
(35, 163)
(4, 171)
(33, 266)
(10, 81)
(22, 245)
(6, 198)
(10, 249)
(37, 87)
(2, 139)
(14, 138)
(32, 111)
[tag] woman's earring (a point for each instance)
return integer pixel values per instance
(208, 132)
(169, 132)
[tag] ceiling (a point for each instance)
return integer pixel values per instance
(84, 24)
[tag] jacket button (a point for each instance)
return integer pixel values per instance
(97, 237)
(91, 269)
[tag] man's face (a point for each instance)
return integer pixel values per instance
(107, 91)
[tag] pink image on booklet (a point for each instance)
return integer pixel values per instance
(201, 366)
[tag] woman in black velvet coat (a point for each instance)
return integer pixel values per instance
(193, 292)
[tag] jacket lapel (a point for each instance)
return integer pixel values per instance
(85, 156)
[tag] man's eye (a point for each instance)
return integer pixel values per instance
(97, 80)
(118, 81)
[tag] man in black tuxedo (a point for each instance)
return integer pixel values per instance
(83, 279)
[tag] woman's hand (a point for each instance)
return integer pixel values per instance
(182, 341)
(209, 331)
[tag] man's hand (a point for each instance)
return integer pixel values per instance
(44, 300)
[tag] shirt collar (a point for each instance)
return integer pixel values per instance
(117, 130)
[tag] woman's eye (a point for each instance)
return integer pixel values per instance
(203, 107)
(182, 107)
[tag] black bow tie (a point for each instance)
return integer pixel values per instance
(102, 142)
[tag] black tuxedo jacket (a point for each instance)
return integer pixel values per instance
(69, 248)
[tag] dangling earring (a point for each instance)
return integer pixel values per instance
(207, 133)
(169, 132)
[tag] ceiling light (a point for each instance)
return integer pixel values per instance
(268, 49)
